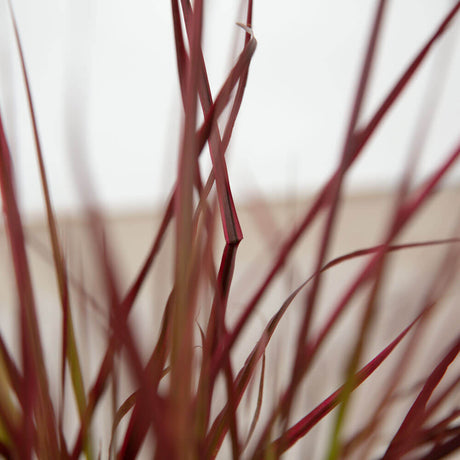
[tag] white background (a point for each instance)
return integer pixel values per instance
(104, 82)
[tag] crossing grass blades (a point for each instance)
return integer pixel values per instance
(175, 406)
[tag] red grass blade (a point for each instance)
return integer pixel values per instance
(441, 450)
(405, 436)
(365, 133)
(298, 368)
(69, 345)
(360, 140)
(121, 412)
(304, 425)
(35, 391)
(240, 68)
(218, 430)
(218, 147)
(256, 416)
(434, 292)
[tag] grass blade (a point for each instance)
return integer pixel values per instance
(35, 391)
(70, 350)
(359, 140)
(403, 439)
(304, 425)
(256, 416)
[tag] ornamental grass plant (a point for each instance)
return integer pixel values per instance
(226, 369)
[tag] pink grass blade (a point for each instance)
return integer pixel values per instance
(242, 83)
(238, 71)
(223, 285)
(391, 248)
(232, 403)
(335, 445)
(130, 297)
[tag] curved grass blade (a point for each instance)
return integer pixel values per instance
(434, 292)
(260, 395)
(218, 430)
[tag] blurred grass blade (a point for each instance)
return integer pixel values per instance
(155, 370)
(360, 140)
(300, 364)
(218, 430)
(405, 436)
(217, 147)
(365, 133)
(70, 350)
(304, 425)
(35, 392)
(121, 412)
(434, 293)
(170, 207)
(215, 330)
(260, 395)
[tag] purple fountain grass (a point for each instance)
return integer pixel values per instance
(176, 410)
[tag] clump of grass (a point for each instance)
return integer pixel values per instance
(175, 410)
